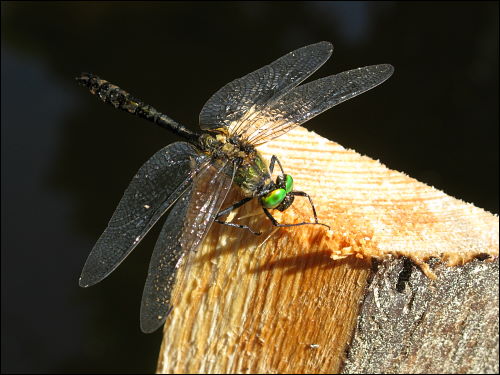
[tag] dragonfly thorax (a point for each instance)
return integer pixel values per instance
(221, 147)
(252, 174)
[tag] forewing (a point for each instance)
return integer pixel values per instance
(184, 230)
(311, 99)
(246, 96)
(155, 187)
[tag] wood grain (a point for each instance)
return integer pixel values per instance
(292, 304)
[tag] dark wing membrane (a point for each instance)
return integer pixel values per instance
(247, 95)
(311, 99)
(184, 230)
(155, 187)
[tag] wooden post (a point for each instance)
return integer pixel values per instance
(313, 300)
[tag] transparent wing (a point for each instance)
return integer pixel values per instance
(155, 187)
(309, 100)
(249, 94)
(184, 230)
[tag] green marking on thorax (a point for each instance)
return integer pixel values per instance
(251, 175)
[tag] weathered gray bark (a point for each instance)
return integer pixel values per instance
(447, 325)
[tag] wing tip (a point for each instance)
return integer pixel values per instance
(327, 45)
(85, 281)
(388, 69)
(388, 66)
(92, 274)
(150, 324)
(150, 327)
(383, 70)
(324, 47)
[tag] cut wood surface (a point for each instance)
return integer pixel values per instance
(299, 302)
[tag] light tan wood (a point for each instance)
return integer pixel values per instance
(291, 305)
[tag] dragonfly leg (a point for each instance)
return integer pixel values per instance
(276, 224)
(231, 208)
(304, 194)
(275, 159)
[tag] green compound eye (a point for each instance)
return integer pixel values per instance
(288, 183)
(274, 198)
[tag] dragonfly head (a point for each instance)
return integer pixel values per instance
(280, 197)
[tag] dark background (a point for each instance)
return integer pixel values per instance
(67, 158)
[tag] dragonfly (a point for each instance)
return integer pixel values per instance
(190, 179)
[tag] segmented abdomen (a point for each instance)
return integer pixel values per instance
(117, 97)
